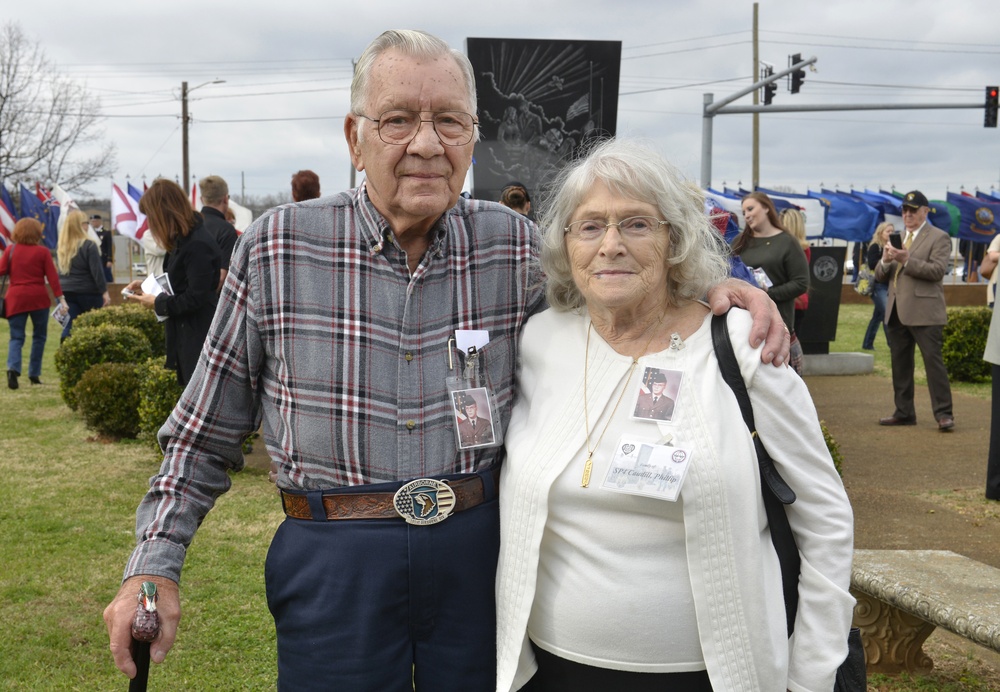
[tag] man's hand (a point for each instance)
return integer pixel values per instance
(891, 254)
(120, 612)
(767, 324)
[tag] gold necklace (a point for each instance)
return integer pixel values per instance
(589, 465)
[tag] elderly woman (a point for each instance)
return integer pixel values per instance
(635, 553)
(193, 265)
(27, 297)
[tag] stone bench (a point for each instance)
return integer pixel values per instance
(904, 594)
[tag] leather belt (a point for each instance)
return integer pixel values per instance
(421, 501)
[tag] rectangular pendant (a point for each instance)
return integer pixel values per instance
(587, 468)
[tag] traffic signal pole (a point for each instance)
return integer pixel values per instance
(712, 108)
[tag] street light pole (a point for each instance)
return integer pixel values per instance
(185, 121)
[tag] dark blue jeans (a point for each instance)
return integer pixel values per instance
(879, 296)
(378, 605)
(39, 332)
(80, 303)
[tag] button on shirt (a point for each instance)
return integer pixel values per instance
(324, 336)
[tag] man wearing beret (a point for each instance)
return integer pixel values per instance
(915, 312)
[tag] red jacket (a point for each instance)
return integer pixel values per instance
(32, 264)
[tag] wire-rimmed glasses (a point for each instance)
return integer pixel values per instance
(632, 228)
(453, 128)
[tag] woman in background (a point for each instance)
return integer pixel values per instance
(28, 264)
(193, 264)
(515, 196)
(795, 225)
(764, 245)
(81, 271)
(880, 289)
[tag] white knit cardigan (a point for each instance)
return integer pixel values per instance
(732, 565)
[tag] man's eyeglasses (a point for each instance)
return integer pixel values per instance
(632, 228)
(453, 128)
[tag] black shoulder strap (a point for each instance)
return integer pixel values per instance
(775, 491)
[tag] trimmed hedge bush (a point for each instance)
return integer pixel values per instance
(88, 346)
(964, 343)
(834, 448)
(159, 393)
(128, 315)
(107, 396)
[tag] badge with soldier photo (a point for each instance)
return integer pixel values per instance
(473, 418)
(657, 395)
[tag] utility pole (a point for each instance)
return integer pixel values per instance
(755, 175)
(184, 136)
(185, 120)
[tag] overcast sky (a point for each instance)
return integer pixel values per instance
(287, 70)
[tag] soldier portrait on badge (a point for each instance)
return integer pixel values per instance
(654, 401)
(474, 419)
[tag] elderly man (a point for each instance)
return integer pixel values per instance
(334, 329)
(915, 312)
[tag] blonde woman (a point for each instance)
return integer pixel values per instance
(880, 289)
(81, 272)
(794, 222)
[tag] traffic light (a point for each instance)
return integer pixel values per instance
(769, 89)
(990, 120)
(798, 76)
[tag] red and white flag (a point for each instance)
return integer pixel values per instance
(124, 216)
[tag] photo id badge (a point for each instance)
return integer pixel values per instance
(640, 468)
(474, 425)
(656, 398)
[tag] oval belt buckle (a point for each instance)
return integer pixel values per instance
(424, 501)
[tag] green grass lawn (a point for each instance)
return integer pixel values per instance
(67, 508)
(67, 512)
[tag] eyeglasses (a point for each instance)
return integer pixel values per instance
(453, 128)
(632, 228)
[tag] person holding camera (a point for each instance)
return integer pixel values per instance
(914, 266)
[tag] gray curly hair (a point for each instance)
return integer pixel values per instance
(697, 258)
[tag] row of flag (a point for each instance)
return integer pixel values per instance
(49, 206)
(853, 215)
(45, 204)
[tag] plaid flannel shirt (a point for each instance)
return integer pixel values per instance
(323, 335)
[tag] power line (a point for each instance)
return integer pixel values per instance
(882, 39)
(912, 49)
(684, 40)
(685, 50)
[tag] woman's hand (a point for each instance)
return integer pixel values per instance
(146, 300)
(134, 286)
(107, 299)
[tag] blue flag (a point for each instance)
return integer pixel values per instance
(847, 218)
(32, 207)
(978, 217)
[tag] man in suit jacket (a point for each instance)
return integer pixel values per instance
(915, 312)
(215, 203)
